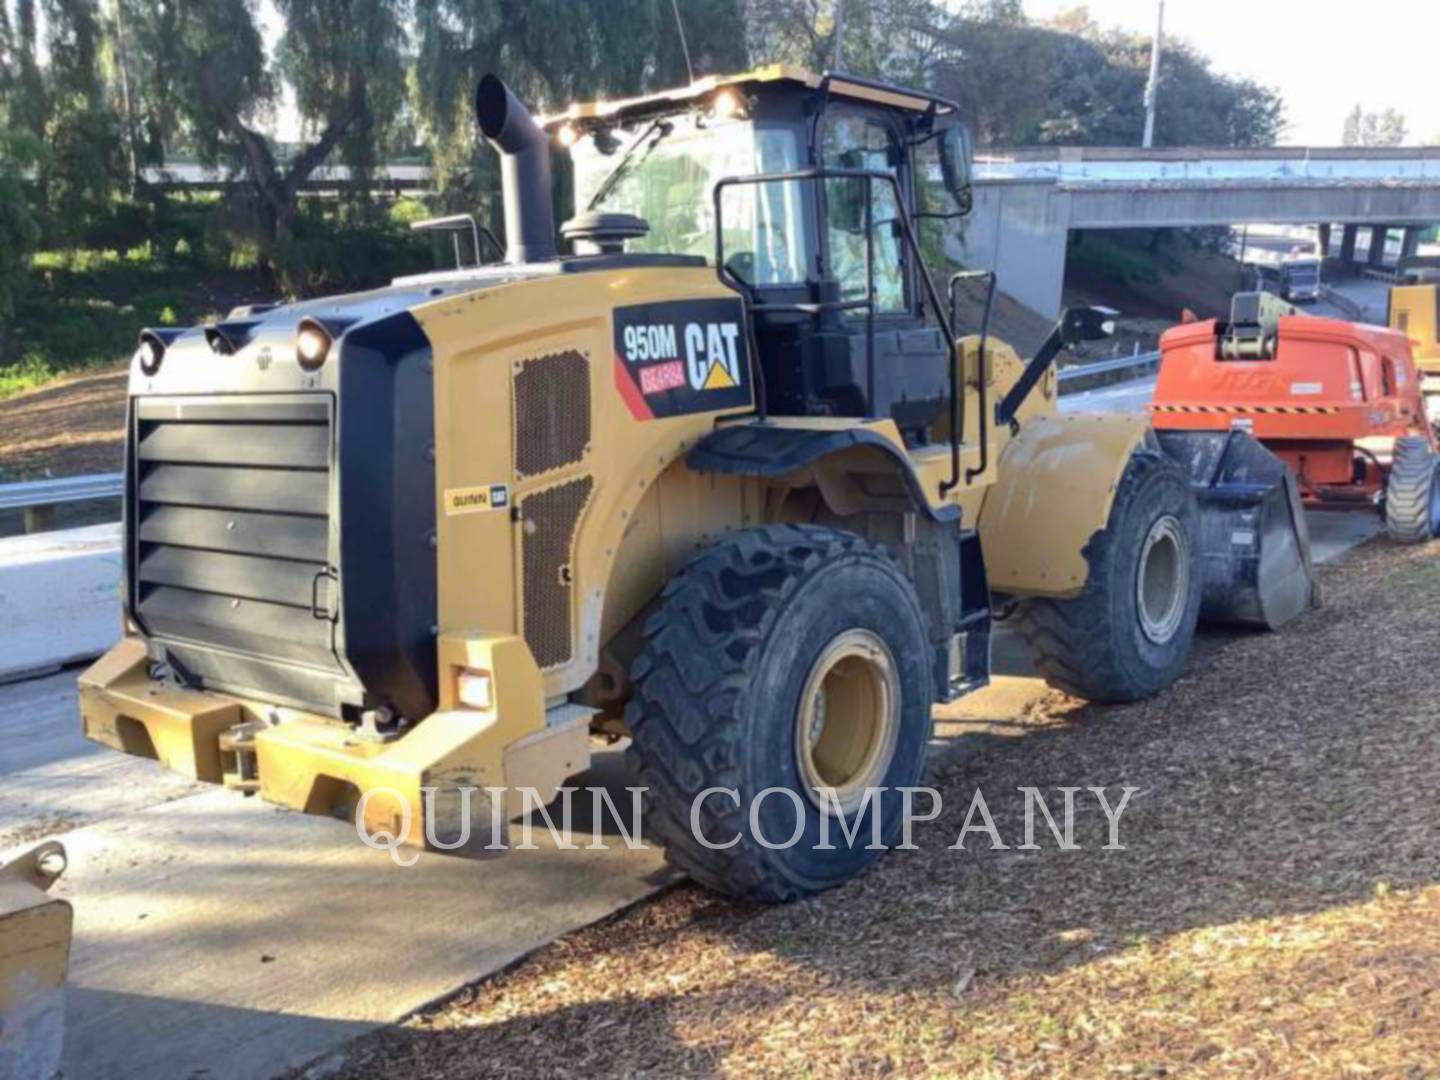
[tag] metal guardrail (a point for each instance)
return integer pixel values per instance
(36, 497)
(1140, 364)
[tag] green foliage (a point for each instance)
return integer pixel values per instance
(18, 229)
(1387, 128)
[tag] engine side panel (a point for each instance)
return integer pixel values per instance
(558, 404)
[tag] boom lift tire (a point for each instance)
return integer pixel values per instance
(791, 657)
(1412, 500)
(1127, 635)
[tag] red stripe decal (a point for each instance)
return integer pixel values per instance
(630, 393)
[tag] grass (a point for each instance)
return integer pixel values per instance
(85, 307)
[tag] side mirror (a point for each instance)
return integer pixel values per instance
(955, 167)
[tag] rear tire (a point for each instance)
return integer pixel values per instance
(1128, 635)
(1412, 499)
(779, 657)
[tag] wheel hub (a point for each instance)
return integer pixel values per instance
(1162, 582)
(848, 720)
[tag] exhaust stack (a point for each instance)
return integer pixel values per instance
(524, 171)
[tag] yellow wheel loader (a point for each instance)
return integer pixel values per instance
(722, 480)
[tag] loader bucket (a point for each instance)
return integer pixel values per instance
(1254, 543)
(34, 956)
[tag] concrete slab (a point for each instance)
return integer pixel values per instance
(59, 597)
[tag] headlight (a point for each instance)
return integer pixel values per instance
(312, 345)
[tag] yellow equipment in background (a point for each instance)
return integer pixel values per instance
(1414, 310)
(34, 957)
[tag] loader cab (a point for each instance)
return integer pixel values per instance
(806, 193)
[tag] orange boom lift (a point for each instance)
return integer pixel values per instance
(1338, 402)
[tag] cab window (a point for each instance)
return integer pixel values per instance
(857, 141)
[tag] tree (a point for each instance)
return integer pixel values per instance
(82, 166)
(344, 60)
(1387, 128)
(551, 52)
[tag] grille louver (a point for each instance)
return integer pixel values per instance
(230, 532)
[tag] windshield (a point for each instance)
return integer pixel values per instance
(669, 180)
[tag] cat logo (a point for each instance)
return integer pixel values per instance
(711, 359)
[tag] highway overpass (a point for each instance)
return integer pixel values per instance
(1027, 201)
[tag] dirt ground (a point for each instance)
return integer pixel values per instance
(67, 428)
(1274, 912)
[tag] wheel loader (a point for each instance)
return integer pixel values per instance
(721, 480)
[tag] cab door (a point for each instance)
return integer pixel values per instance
(899, 363)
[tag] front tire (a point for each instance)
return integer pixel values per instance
(1127, 636)
(1412, 498)
(789, 657)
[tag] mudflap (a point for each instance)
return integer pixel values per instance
(34, 957)
(1254, 543)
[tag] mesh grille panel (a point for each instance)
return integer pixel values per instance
(548, 519)
(552, 412)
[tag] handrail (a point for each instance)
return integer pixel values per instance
(982, 369)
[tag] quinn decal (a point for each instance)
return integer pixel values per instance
(682, 357)
(472, 500)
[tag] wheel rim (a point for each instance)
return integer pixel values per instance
(848, 721)
(1162, 583)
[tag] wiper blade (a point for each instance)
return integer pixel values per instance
(663, 127)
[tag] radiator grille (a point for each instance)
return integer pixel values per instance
(230, 531)
(548, 520)
(552, 412)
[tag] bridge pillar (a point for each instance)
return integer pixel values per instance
(1379, 237)
(1020, 231)
(1410, 242)
(1323, 232)
(1348, 233)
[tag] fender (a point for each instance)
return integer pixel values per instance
(1057, 481)
(774, 450)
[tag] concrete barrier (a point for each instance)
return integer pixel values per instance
(59, 598)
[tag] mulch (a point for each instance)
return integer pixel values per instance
(1275, 909)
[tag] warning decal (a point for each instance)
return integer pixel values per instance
(682, 357)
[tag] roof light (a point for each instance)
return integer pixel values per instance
(726, 105)
(312, 345)
(567, 134)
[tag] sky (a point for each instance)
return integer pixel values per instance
(1323, 56)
